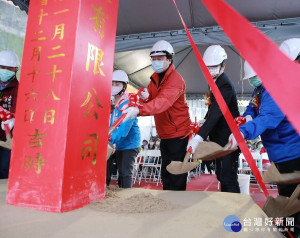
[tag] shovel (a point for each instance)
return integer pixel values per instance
(272, 175)
(110, 147)
(283, 206)
(211, 150)
(205, 151)
(178, 167)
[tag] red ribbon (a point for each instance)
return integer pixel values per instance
(224, 108)
(134, 101)
(4, 116)
(240, 121)
(194, 126)
(278, 73)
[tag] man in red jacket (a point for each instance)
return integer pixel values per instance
(164, 98)
(9, 64)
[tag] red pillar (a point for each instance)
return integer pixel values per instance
(61, 132)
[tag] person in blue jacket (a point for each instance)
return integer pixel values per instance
(278, 136)
(126, 137)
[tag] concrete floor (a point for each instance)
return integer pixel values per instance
(201, 214)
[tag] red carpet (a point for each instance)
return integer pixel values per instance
(209, 182)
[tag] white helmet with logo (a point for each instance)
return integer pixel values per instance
(214, 55)
(249, 72)
(9, 58)
(291, 48)
(120, 76)
(162, 47)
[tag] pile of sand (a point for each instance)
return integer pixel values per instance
(120, 201)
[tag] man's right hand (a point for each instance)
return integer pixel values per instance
(194, 143)
(232, 141)
(145, 94)
(10, 123)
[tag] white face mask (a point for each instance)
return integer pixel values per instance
(115, 90)
(158, 66)
(214, 71)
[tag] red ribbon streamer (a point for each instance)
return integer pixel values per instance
(278, 73)
(224, 108)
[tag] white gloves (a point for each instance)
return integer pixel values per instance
(233, 141)
(201, 122)
(131, 113)
(194, 143)
(248, 118)
(145, 94)
(9, 122)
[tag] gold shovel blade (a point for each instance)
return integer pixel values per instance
(177, 167)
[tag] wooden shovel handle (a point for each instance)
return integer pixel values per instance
(116, 124)
(227, 146)
(186, 158)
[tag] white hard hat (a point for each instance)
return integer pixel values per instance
(214, 55)
(291, 48)
(162, 47)
(9, 58)
(120, 76)
(248, 71)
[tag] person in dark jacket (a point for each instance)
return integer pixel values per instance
(215, 125)
(164, 98)
(280, 139)
(9, 64)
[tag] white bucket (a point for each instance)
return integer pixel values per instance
(244, 182)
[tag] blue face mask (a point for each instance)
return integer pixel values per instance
(6, 75)
(254, 82)
(158, 66)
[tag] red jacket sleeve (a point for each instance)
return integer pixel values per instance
(169, 92)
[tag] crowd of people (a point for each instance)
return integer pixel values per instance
(165, 99)
(153, 144)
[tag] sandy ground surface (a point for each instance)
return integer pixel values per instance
(136, 213)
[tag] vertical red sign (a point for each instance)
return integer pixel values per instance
(60, 138)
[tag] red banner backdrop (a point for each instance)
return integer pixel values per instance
(60, 139)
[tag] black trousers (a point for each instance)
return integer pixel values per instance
(226, 171)
(287, 189)
(111, 167)
(173, 150)
(4, 162)
(125, 164)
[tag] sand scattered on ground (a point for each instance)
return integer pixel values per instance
(143, 202)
